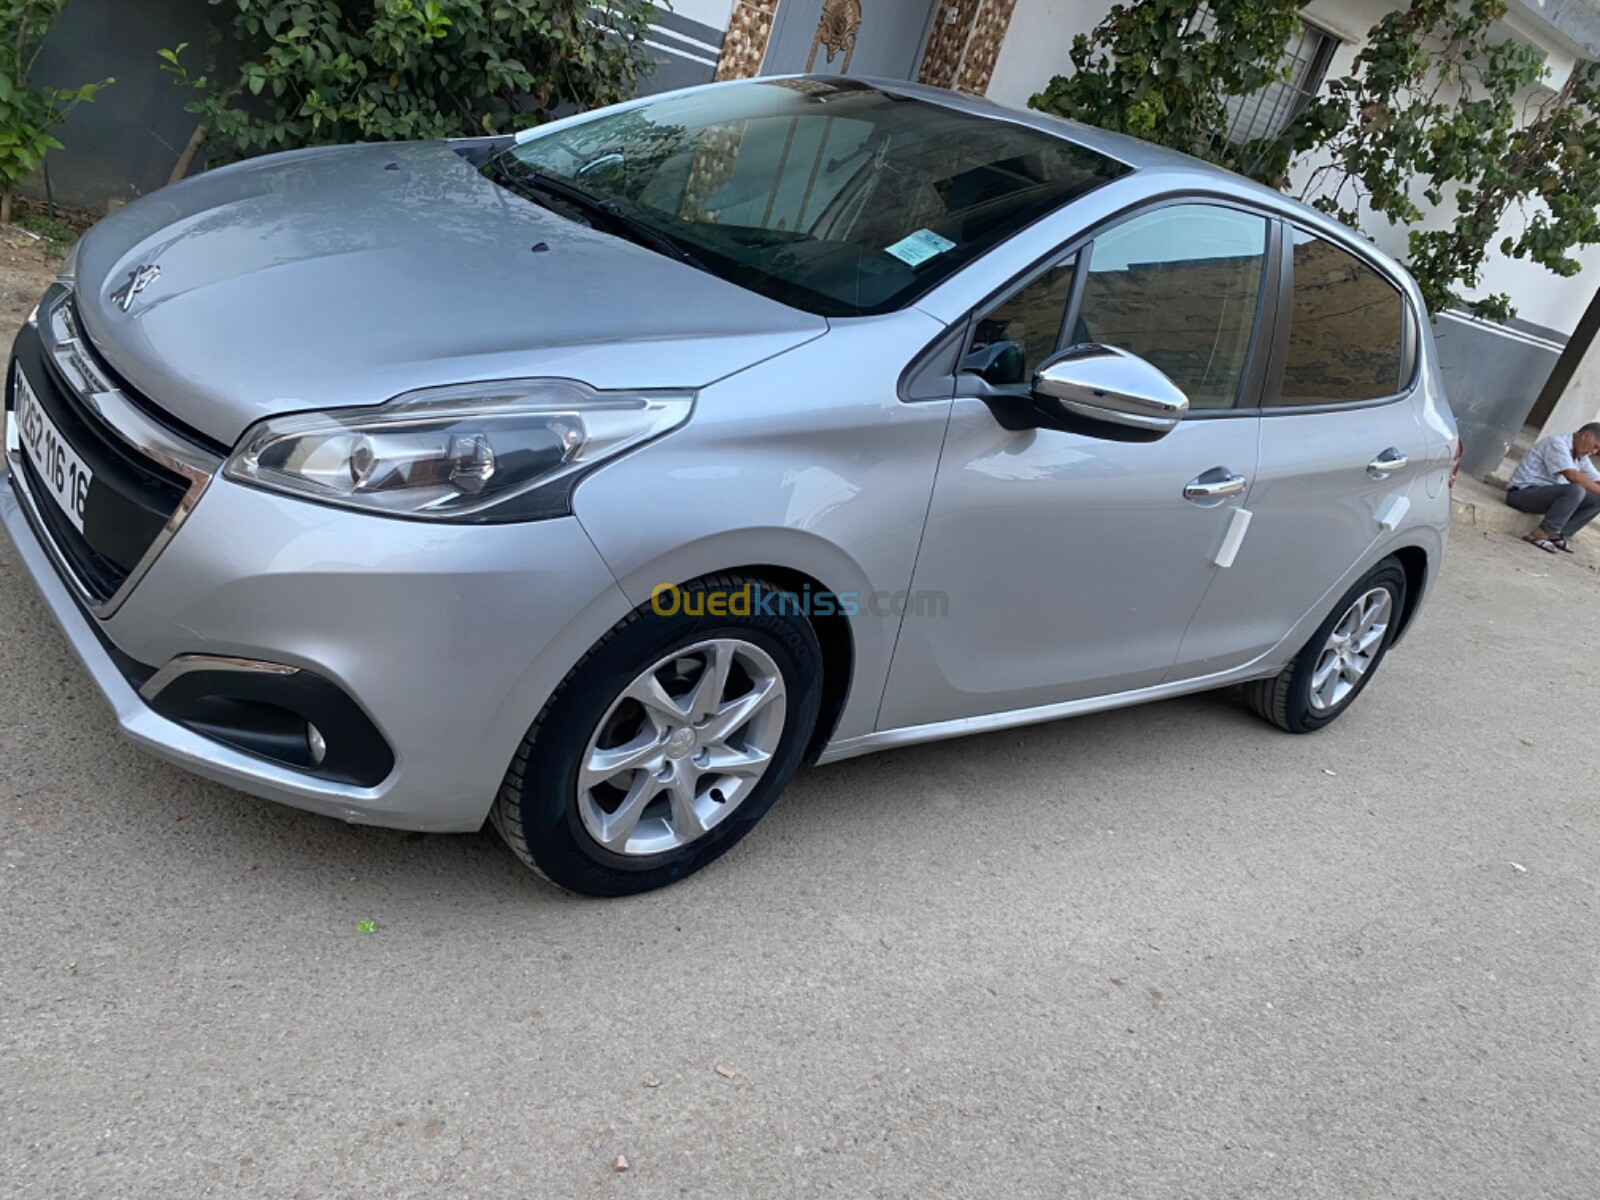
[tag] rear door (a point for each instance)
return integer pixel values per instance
(1341, 447)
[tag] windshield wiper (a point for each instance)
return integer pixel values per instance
(528, 183)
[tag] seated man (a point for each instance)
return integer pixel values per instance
(1557, 479)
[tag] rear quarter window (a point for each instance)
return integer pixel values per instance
(1345, 328)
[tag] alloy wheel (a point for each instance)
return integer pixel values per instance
(1351, 649)
(681, 747)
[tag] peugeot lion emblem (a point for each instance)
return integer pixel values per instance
(138, 279)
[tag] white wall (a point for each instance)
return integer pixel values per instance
(1036, 46)
(1539, 296)
(715, 13)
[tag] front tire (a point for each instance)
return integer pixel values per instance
(1339, 659)
(666, 743)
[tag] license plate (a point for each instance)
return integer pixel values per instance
(65, 476)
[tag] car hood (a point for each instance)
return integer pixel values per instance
(345, 276)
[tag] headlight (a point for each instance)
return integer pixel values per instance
(68, 270)
(507, 451)
(66, 273)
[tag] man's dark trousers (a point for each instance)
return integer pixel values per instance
(1567, 507)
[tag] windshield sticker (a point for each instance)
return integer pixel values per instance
(917, 248)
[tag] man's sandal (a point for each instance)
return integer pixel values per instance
(1537, 539)
(1563, 545)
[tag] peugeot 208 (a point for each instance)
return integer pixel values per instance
(591, 480)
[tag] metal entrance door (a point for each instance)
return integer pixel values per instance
(848, 37)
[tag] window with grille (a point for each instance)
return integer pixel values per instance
(1268, 112)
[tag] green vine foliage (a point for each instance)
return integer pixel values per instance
(1435, 113)
(1441, 119)
(29, 112)
(1163, 70)
(321, 72)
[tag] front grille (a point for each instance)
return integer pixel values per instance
(131, 498)
(135, 500)
(99, 575)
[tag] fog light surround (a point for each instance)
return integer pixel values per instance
(288, 715)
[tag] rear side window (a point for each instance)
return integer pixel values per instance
(1345, 322)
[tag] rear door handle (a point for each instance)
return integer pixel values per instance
(1388, 462)
(1216, 484)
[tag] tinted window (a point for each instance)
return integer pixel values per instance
(1344, 328)
(1179, 287)
(1031, 316)
(828, 195)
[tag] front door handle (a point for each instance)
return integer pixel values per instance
(1388, 462)
(1216, 484)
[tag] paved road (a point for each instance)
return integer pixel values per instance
(1162, 952)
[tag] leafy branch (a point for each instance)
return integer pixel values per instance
(318, 72)
(1430, 116)
(1432, 130)
(1164, 70)
(29, 112)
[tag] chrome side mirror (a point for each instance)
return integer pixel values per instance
(1104, 392)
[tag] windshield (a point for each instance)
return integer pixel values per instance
(824, 194)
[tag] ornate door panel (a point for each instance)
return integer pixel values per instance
(848, 37)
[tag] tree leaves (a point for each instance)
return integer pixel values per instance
(28, 113)
(1155, 70)
(363, 70)
(1435, 111)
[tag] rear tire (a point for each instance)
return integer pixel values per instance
(1334, 666)
(643, 767)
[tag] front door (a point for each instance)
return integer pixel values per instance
(881, 38)
(1070, 566)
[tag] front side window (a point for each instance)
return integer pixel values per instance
(828, 195)
(1179, 287)
(1031, 317)
(1345, 328)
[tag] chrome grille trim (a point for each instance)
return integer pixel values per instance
(188, 664)
(75, 360)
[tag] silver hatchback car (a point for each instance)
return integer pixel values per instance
(592, 480)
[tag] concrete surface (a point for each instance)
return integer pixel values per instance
(1481, 505)
(1162, 952)
(27, 265)
(1520, 445)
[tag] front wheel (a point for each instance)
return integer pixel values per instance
(1340, 658)
(666, 743)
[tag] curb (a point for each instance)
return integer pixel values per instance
(1481, 506)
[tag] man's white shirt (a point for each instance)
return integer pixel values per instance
(1545, 461)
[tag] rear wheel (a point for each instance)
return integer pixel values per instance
(664, 745)
(1340, 658)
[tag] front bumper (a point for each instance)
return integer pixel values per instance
(449, 639)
